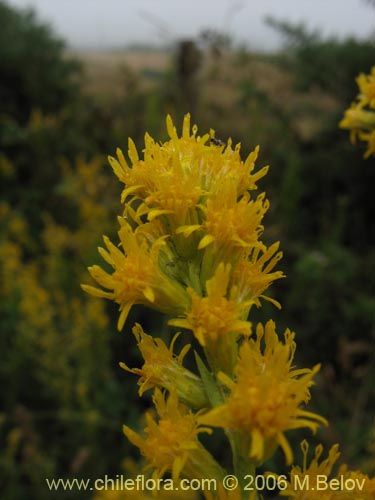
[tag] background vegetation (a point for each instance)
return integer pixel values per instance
(63, 396)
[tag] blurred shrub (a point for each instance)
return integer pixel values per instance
(331, 64)
(56, 350)
(322, 207)
(326, 211)
(34, 72)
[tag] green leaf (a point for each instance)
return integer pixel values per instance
(210, 386)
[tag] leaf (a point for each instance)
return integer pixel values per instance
(212, 391)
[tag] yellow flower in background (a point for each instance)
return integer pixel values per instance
(366, 85)
(266, 395)
(171, 444)
(368, 137)
(357, 119)
(360, 121)
(137, 278)
(163, 369)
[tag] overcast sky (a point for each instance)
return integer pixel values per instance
(109, 23)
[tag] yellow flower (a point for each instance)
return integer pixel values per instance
(265, 396)
(214, 316)
(359, 121)
(163, 369)
(176, 176)
(166, 180)
(370, 139)
(357, 486)
(366, 84)
(185, 194)
(216, 320)
(361, 124)
(316, 481)
(253, 275)
(137, 278)
(234, 223)
(230, 223)
(356, 120)
(171, 444)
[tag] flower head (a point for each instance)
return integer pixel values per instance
(171, 443)
(137, 277)
(252, 275)
(216, 319)
(176, 176)
(234, 223)
(163, 369)
(213, 316)
(266, 395)
(230, 223)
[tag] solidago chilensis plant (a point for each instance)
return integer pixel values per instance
(190, 247)
(360, 117)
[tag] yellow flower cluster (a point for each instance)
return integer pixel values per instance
(190, 246)
(360, 117)
(190, 236)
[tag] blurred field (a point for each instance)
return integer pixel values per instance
(105, 72)
(225, 82)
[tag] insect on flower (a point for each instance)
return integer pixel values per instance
(216, 142)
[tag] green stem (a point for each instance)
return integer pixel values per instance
(244, 468)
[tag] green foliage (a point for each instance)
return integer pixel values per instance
(56, 352)
(330, 64)
(326, 211)
(34, 72)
